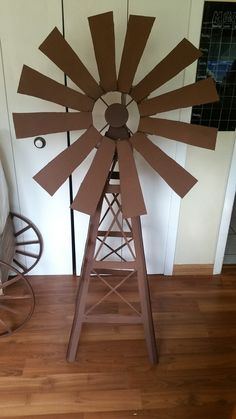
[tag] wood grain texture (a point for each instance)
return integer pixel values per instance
(196, 376)
(193, 269)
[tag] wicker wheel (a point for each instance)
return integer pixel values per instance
(28, 245)
(16, 301)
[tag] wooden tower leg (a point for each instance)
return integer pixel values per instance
(113, 263)
(81, 298)
(144, 291)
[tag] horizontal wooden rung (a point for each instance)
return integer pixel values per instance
(113, 265)
(112, 189)
(102, 233)
(113, 318)
(114, 272)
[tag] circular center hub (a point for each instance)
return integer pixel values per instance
(116, 115)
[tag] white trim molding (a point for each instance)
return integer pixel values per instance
(226, 214)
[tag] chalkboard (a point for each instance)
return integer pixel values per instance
(218, 44)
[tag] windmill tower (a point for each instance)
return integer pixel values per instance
(115, 147)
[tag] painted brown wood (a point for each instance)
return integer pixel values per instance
(57, 49)
(38, 123)
(94, 258)
(35, 84)
(173, 174)
(129, 182)
(201, 92)
(102, 32)
(195, 377)
(55, 173)
(180, 57)
(196, 135)
(95, 179)
(138, 30)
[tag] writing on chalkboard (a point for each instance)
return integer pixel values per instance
(218, 45)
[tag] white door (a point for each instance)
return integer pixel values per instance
(160, 224)
(23, 27)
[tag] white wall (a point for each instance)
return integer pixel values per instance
(201, 209)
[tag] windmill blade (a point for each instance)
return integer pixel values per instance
(55, 173)
(198, 93)
(60, 52)
(94, 182)
(102, 31)
(138, 30)
(38, 123)
(196, 135)
(175, 175)
(177, 60)
(131, 193)
(35, 84)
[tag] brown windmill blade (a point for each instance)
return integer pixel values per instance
(131, 193)
(102, 31)
(174, 174)
(60, 52)
(38, 85)
(198, 93)
(38, 123)
(94, 182)
(55, 173)
(177, 60)
(138, 30)
(196, 135)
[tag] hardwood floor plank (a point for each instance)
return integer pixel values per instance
(217, 411)
(89, 401)
(172, 399)
(196, 412)
(185, 380)
(71, 382)
(195, 324)
(69, 402)
(224, 303)
(49, 416)
(13, 367)
(182, 330)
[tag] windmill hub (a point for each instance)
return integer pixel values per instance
(116, 115)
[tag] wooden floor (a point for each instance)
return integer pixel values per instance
(195, 322)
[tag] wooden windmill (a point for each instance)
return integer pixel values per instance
(118, 188)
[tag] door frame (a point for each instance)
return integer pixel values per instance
(195, 20)
(226, 214)
(194, 30)
(174, 212)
